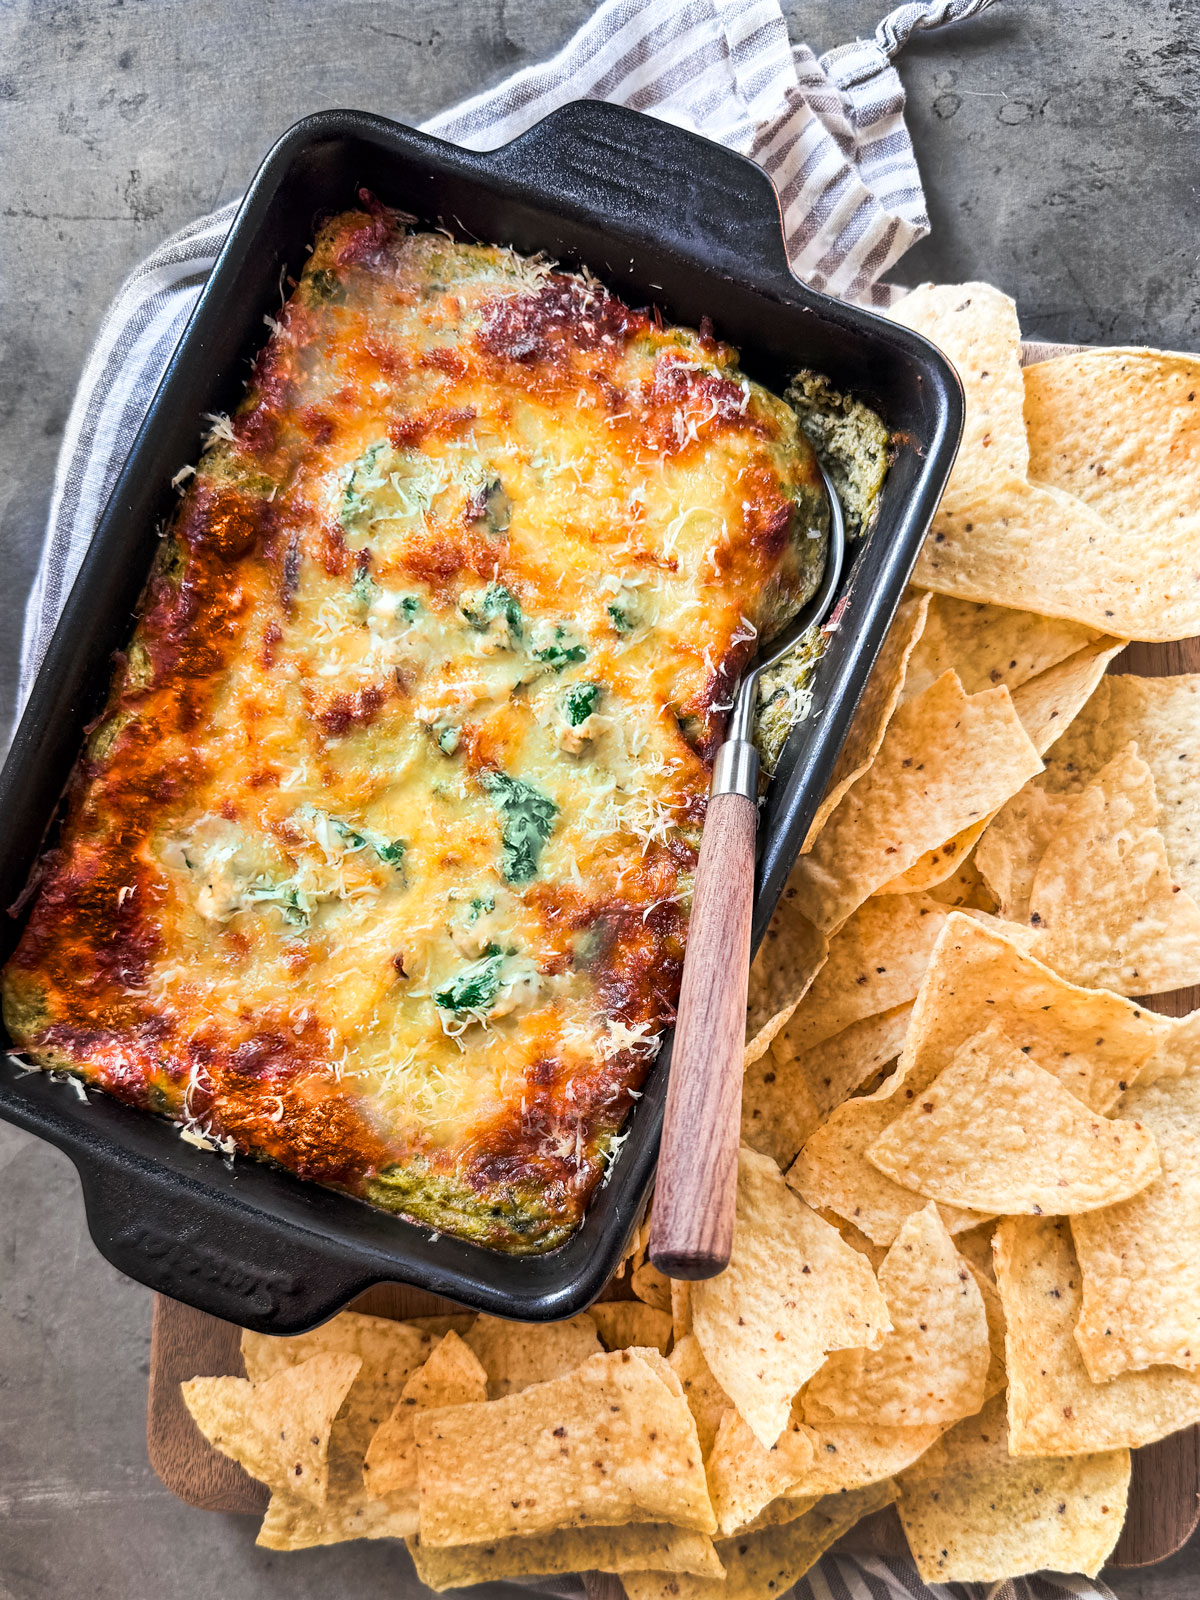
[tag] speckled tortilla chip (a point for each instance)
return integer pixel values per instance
(652, 1287)
(973, 1513)
(706, 1399)
(622, 1323)
(610, 1443)
(1093, 1042)
(1054, 1408)
(1102, 909)
(965, 887)
(1014, 844)
(1162, 716)
(873, 712)
(1043, 550)
(1139, 1259)
(996, 1133)
(932, 1367)
(789, 958)
(1049, 703)
(876, 961)
(852, 1455)
(977, 327)
(389, 1351)
(744, 1476)
(793, 1291)
(640, 1547)
(1045, 706)
(997, 1374)
(516, 1354)
(764, 1565)
(989, 645)
(348, 1513)
(452, 1376)
(681, 1308)
(1121, 430)
(278, 1429)
(948, 760)
(786, 1098)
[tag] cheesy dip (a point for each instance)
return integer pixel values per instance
(378, 862)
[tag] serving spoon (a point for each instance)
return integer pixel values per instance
(691, 1231)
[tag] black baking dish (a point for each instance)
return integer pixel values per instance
(663, 217)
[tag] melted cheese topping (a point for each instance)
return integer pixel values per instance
(379, 864)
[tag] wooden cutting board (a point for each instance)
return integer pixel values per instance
(1164, 1498)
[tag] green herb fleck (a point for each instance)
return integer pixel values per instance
(527, 821)
(561, 650)
(620, 618)
(580, 701)
(364, 588)
(447, 739)
(497, 601)
(475, 986)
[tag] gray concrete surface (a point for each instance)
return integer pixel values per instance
(1058, 145)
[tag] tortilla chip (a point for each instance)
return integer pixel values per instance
(965, 887)
(1054, 1408)
(390, 1353)
(1049, 703)
(933, 1365)
(640, 1547)
(789, 958)
(1139, 1259)
(874, 710)
(793, 1291)
(785, 1098)
(706, 1399)
(451, 1377)
(997, 1372)
(1014, 844)
(1162, 716)
(1094, 1043)
(681, 1308)
(975, 1244)
(1103, 910)
(743, 1476)
(278, 1430)
(974, 1513)
(1043, 550)
(516, 1354)
(852, 1455)
(1120, 429)
(652, 1287)
(1046, 705)
(989, 645)
(1177, 1052)
(947, 760)
(977, 327)
(294, 1524)
(622, 1323)
(876, 961)
(997, 1133)
(787, 1508)
(762, 1566)
(437, 1327)
(609, 1443)
(876, 1254)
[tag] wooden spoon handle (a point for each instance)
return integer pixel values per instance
(691, 1233)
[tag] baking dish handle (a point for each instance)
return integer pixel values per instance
(653, 184)
(233, 1262)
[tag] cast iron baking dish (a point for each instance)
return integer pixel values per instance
(663, 217)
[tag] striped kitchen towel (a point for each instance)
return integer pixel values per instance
(829, 129)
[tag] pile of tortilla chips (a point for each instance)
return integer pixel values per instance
(966, 1266)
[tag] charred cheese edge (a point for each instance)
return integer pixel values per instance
(378, 864)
